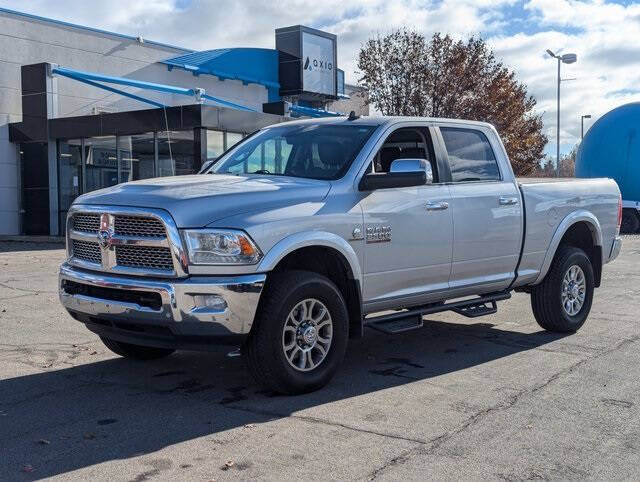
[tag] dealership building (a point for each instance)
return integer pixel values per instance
(82, 109)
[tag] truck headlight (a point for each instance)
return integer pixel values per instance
(220, 246)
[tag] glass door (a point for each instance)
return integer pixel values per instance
(69, 176)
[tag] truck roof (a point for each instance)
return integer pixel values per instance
(383, 120)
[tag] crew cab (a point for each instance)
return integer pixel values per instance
(307, 232)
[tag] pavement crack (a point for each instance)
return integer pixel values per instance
(316, 420)
(433, 444)
(25, 290)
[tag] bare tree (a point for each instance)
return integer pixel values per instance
(406, 74)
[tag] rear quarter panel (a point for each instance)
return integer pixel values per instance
(550, 202)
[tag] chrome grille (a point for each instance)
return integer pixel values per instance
(87, 251)
(139, 226)
(131, 241)
(86, 222)
(144, 257)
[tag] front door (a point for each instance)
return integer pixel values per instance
(408, 231)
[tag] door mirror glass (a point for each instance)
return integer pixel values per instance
(413, 165)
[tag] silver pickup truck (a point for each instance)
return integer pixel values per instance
(307, 232)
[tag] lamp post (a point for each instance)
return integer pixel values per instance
(567, 59)
(582, 118)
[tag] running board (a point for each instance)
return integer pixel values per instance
(391, 327)
(411, 319)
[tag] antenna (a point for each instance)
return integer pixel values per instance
(353, 116)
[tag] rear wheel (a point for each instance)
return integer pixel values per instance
(300, 334)
(137, 352)
(563, 300)
(630, 222)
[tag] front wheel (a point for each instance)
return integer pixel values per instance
(300, 333)
(563, 300)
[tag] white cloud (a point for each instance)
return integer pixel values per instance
(602, 34)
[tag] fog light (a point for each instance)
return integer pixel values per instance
(210, 302)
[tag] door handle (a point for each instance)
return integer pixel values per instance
(508, 201)
(437, 205)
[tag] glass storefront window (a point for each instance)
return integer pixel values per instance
(137, 157)
(175, 153)
(215, 144)
(233, 138)
(69, 176)
(101, 162)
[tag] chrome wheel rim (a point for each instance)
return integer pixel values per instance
(307, 334)
(573, 290)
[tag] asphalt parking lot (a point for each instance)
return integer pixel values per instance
(486, 398)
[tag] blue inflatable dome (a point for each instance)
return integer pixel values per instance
(611, 148)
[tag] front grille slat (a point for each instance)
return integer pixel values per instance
(139, 226)
(144, 257)
(87, 251)
(86, 222)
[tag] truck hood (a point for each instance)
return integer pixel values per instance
(198, 200)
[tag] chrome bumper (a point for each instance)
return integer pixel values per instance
(180, 303)
(615, 248)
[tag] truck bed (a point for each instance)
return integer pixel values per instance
(548, 201)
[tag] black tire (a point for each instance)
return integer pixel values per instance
(263, 350)
(137, 352)
(630, 222)
(546, 298)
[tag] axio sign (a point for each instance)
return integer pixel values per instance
(307, 63)
(318, 73)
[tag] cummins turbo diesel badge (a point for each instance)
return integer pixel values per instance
(378, 234)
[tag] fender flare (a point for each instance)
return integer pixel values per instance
(563, 227)
(307, 239)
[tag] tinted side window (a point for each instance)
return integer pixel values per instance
(470, 155)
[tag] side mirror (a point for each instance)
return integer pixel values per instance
(403, 173)
(413, 165)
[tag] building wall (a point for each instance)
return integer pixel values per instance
(357, 102)
(27, 40)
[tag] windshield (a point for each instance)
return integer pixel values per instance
(315, 151)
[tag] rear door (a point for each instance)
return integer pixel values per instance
(486, 208)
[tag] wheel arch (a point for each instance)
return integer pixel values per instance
(581, 229)
(326, 254)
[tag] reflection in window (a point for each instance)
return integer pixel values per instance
(137, 157)
(215, 144)
(69, 175)
(470, 155)
(233, 138)
(101, 159)
(175, 153)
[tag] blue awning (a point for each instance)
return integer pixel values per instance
(94, 80)
(249, 65)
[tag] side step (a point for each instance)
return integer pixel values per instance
(400, 325)
(411, 319)
(473, 311)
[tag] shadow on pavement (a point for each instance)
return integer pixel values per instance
(117, 409)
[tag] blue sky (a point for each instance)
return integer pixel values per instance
(603, 34)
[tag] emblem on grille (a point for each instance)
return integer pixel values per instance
(105, 233)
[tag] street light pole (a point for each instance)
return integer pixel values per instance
(582, 118)
(567, 59)
(558, 123)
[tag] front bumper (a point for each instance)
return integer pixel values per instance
(161, 312)
(615, 248)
